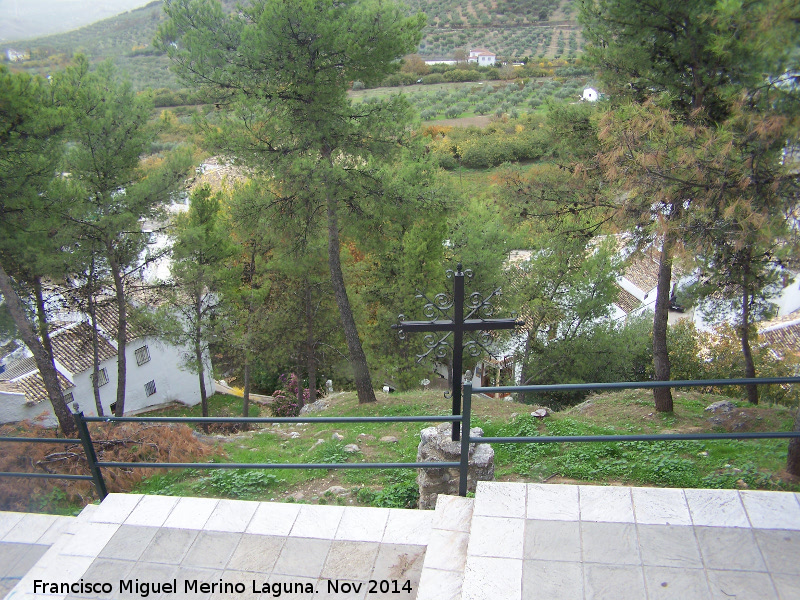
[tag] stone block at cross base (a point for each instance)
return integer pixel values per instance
(436, 445)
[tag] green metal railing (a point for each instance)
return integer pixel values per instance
(469, 390)
(463, 420)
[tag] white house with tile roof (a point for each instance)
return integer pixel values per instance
(155, 374)
(781, 336)
(482, 56)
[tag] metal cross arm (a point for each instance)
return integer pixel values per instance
(456, 326)
(450, 325)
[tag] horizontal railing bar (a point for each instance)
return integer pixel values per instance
(416, 465)
(626, 385)
(46, 476)
(40, 440)
(636, 438)
(211, 420)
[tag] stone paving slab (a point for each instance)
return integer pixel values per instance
(24, 539)
(512, 541)
(161, 547)
(622, 542)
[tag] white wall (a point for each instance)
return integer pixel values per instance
(789, 300)
(173, 382)
(13, 409)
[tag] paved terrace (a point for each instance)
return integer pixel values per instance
(511, 541)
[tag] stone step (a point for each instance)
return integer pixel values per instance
(512, 541)
(446, 554)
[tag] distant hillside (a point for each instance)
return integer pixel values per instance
(21, 19)
(510, 28)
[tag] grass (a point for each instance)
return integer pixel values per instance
(756, 464)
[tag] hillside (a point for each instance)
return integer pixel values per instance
(510, 28)
(21, 19)
(725, 464)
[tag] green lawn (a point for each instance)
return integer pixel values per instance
(756, 464)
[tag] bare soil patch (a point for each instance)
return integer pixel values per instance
(125, 442)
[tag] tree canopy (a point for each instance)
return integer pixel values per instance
(281, 69)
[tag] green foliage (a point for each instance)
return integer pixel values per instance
(240, 483)
(718, 355)
(603, 353)
(396, 495)
(325, 152)
(331, 452)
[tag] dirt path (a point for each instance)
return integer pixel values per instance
(223, 388)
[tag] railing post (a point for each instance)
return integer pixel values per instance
(91, 457)
(466, 412)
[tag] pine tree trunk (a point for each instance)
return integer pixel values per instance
(122, 329)
(662, 396)
(41, 316)
(198, 355)
(311, 359)
(358, 359)
(744, 334)
(95, 346)
(43, 362)
(299, 390)
(246, 394)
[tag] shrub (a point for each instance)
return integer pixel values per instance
(285, 402)
(446, 160)
(608, 353)
(283, 405)
(358, 85)
(239, 483)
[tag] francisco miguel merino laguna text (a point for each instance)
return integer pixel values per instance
(193, 586)
(190, 586)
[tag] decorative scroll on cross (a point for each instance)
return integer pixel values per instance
(442, 328)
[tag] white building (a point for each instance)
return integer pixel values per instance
(15, 56)
(482, 56)
(590, 95)
(154, 375)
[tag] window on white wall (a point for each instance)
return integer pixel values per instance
(102, 377)
(142, 355)
(68, 398)
(150, 388)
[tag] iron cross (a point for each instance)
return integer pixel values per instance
(456, 326)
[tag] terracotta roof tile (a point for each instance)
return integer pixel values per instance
(626, 301)
(642, 270)
(33, 386)
(782, 336)
(72, 348)
(19, 368)
(10, 388)
(108, 317)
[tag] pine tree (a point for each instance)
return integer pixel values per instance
(110, 192)
(685, 67)
(30, 126)
(283, 67)
(200, 267)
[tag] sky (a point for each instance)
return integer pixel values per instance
(23, 19)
